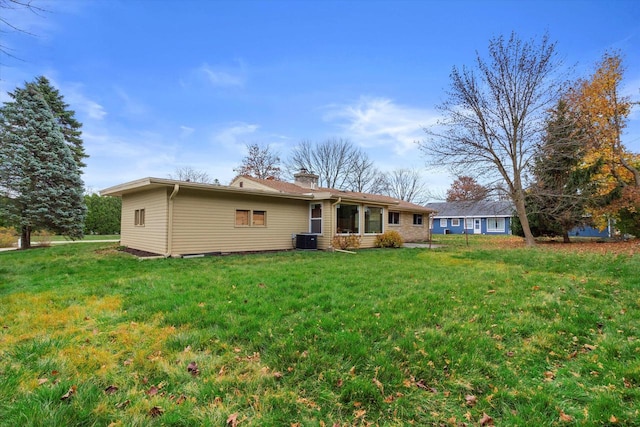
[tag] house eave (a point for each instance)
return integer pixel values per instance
(153, 183)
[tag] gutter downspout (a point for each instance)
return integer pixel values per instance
(333, 205)
(176, 188)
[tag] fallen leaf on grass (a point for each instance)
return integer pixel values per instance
(486, 420)
(69, 393)
(471, 400)
(111, 389)
(152, 391)
(123, 405)
(127, 362)
(613, 420)
(378, 384)
(420, 384)
(549, 376)
(277, 375)
(156, 411)
(565, 417)
(193, 369)
(360, 413)
(589, 347)
(42, 380)
(180, 400)
(232, 420)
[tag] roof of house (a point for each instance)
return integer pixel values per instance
(481, 208)
(269, 188)
(335, 194)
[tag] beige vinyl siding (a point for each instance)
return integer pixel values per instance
(324, 240)
(151, 237)
(205, 222)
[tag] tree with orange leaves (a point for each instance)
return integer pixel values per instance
(603, 113)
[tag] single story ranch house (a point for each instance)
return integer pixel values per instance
(178, 218)
(472, 217)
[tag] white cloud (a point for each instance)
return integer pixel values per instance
(186, 131)
(379, 121)
(131, 107)
(219, 77)
(235, 134)
(80, 103)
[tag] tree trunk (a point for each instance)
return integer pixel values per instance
(524, 221)
(25, 237)
(565, 237)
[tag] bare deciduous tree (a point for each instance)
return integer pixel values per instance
(6, 5)
(187, 173)
(495, 114)
(260, 162)
(333, 160)
(407, 185)
(364, 177)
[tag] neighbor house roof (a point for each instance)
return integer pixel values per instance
(481, 208)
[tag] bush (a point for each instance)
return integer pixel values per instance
(8, 237)
(389, 239)
(347, 241)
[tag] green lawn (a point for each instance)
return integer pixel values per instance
(92, 336)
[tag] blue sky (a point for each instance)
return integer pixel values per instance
(165, 84)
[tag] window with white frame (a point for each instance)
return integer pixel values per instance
(372, 219)
(417, 219)
(138, 219)
(455, 222)
(315, 218)
(469, 223)
(348, 219)
(495, 225)
(443, 222)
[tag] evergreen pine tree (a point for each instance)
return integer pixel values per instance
(65, 117)
(38, 172)
(561, 189)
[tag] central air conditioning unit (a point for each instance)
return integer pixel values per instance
(306, 241)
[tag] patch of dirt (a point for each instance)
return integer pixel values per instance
(139, 253)
(621, 247)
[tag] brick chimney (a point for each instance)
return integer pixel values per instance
(306, 179)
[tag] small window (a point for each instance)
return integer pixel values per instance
(443, 222)
(417, 219)
(316, 218)
(455, 222)
(394, 218)
(139, 217)
(242, 218)
(259, 218)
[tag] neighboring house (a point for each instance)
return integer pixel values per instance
(175, 218)
(473, 217)
(590, 231)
